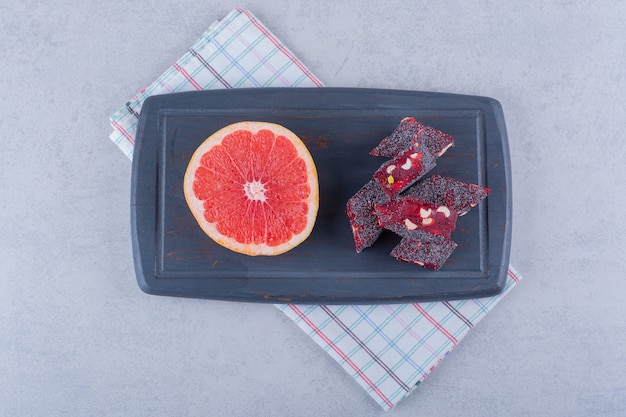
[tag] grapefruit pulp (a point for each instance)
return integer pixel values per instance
(253, 188)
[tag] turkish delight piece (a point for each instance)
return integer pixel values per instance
(414, 234)
(400, 139)
(363, 220)
(396, 175)
(431, 255)
(410, 214)
(411, 132)
(453, 193)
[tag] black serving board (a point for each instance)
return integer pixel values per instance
(174, 257)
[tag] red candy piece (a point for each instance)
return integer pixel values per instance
(428, 254)
(360, 210)
(455, 194)
(401, 230)
(411, 132)
(398, 174)
(409, 214)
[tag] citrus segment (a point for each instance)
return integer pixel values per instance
(252, 187)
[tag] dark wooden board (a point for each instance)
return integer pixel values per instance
(339, 125)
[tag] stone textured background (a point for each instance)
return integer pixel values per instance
(78, 337)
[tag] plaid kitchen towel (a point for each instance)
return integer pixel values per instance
(388, 349)
(235, 52)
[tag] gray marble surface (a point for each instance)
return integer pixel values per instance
(78, 337)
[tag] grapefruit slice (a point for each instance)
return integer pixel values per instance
(253, 188)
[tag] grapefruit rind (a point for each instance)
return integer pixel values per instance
(197, 206)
